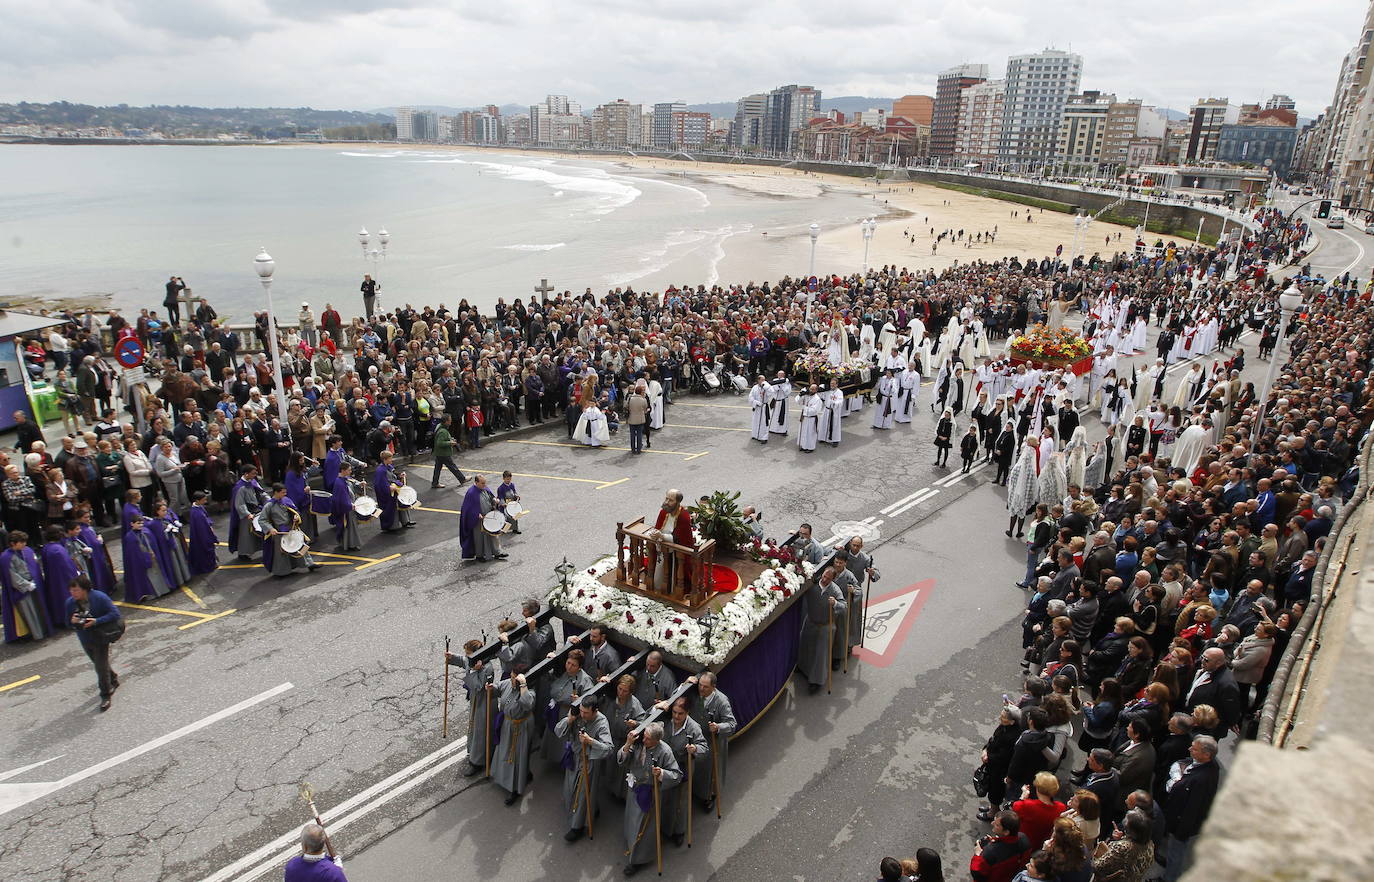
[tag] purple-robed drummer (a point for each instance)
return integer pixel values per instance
(476, 542)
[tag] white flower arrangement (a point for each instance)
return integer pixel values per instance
(660, 625)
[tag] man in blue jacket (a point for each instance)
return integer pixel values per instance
(87, 610)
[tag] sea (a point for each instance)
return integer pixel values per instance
(107, 225)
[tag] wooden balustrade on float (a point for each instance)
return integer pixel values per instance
(690, 586)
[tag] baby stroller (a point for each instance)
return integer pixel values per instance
(705, 379)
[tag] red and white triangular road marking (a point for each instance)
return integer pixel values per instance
(890, 618)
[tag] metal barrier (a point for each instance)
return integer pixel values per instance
(1306, 639)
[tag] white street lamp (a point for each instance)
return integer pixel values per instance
(1289, 301)
(264, 264)
(869, 227)
(374, 254)
(815, 231)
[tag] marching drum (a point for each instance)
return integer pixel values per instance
(407, 497)
(321, 503)
(365, 507)
(514, 509)
(494, 522)
(294, 543)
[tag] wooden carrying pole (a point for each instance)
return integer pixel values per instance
(715, 774)
(689, 799)
(446, 686)
(848, 606)
(830, 651)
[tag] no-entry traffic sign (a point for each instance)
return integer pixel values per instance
(129, 352)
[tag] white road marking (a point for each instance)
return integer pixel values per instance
(12, 796)
(281, 849)
(929, 494)
(903, 500)
(1351, 239)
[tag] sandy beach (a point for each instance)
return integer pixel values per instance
(899, 207)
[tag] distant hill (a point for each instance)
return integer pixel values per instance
(186, 121)
(1173, 115)
(445, 110)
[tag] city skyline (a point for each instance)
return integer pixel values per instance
(375, 53)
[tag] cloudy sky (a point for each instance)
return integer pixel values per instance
(364, 54)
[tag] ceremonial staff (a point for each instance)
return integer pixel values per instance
(658, 832)
(830, 650)
(715, 774)
(587, 790)
(868, 595)
(308, 797)
(446, 687)
(486, 739)
(689, 797)
(848, 605)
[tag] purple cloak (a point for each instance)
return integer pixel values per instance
(470, 520)
(130, 510)
(340, 504)
(58, 572)
(137, 560)
(386, 500)
(102, 570)
(53, 611)
(201, 556)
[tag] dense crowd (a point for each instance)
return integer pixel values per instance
(1163, 594)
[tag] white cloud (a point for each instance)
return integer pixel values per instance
(359, 54)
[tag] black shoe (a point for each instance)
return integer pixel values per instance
(708, 803)
(834, 665)
(436, 486)
(677, 839)
(510, 800)
(631, 869)
(104, 705)
(1008, 532)
(985, 815)
(813, 688)
(502, 556)
(407, 526)
(480, 559)
(313, 567)
(574, 835)
(469, 770)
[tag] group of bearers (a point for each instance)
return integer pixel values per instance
(281, 521)
(653, 744)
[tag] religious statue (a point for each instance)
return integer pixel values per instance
(674, 523)
(1058, 310)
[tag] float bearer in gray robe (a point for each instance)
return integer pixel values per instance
(641, 763)
(857, 571)
(656, 682)
(684, 737)
(564, 691)
(602, 657)
(820, 641)
(588, 735)
(716, 717)
(510, 756)
(479, 685)
(623, 714)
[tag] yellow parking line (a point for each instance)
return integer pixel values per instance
(730, 406)
(610, 484)
(17, 683)
(207, 619)
(712, 428)
(163, 609)
(191, 594)
(584, 446)
(375, 562)
(695, 456)
(341, 556)
(439, 510)
(551, 477)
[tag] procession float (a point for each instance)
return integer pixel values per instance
(1052, 348)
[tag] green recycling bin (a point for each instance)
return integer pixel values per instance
(44, 400)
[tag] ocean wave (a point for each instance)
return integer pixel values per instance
(608, 194)
(681, 243)
(535, 247)
(369, 155)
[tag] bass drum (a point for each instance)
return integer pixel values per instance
(294, 543)
(494, 522)
(407, 497)
(514, 509)
(321, 503)
(365, 507)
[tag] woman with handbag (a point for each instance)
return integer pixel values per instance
(109, 462)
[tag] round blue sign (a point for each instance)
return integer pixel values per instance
(129, 352)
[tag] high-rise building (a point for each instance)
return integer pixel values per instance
(944, 118)
(1280, 102)
(750, 111)
(1037, 87)
(663, 122)
(789, 109)
(1206, 117)
(1131, 122)
(980, 121)
(1083, 127)
(557, 121)
(690, 128)
(1257, 143)
(917, 108)
(405, 124)
(617, 124)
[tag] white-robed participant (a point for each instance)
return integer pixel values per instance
(868, 344)
(1139, 331)
(1145, 388)
(832, 414)
(655, 392)
(758, 402)
(1052, 484)
(1076, 456)
(779, 391)
(894, 361)
(1191, 387)
(837, 345)
(1188, 450)
(887, 340)
(591, 427)
(808, 431)
(908, 389)
(884, 407)
(1022, 484)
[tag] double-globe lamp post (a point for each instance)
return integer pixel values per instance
(1289, 301)
(869, 227)
(265, 266)
(815, 231)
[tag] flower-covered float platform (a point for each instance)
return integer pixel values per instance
(855, 376)
(749, 637)
(1059, 349)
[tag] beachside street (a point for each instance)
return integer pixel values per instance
(336, 679)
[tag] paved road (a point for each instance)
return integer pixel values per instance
(333, 679)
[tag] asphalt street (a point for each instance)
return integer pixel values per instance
(335, 679)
